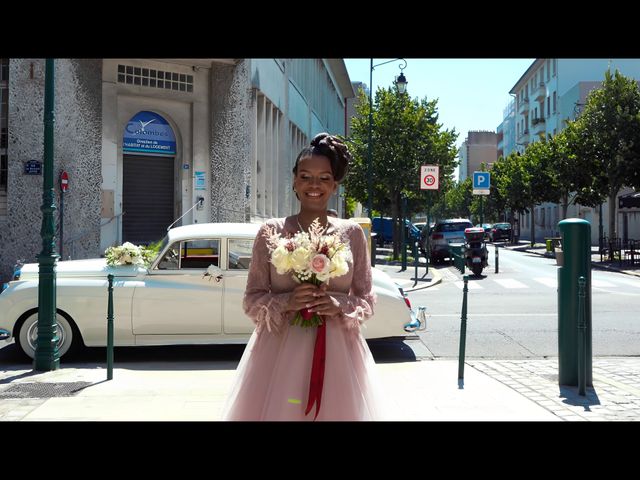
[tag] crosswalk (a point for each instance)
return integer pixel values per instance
(631, 285)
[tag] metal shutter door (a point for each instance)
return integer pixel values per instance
(147, 198)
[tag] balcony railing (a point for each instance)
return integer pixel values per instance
(541, 92)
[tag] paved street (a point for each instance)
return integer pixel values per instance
(513, 314)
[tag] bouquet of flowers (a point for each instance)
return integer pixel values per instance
(129, 254)
(311, 257)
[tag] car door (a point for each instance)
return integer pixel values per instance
(238, 256)
(176, 298)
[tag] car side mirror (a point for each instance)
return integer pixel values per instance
(213, 272)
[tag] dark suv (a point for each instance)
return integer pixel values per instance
(500, 231)
(443, 233)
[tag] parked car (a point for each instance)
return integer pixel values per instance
(500, 231)
(383, 226)
(174, 301)
(487, 229)
(443, 233)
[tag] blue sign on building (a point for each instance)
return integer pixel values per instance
(148, 132)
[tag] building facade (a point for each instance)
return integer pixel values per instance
(551, 92)
(149, 142)
(479, 147)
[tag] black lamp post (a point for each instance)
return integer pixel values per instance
(401, 83)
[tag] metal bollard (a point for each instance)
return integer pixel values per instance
(582, 339)
(416, 258)
(496, 257)
(110, 329)
(463, 329)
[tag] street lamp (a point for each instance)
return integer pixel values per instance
(401, 84)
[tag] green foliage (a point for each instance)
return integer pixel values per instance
(405, 135)
(606, 137)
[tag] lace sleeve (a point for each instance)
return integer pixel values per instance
(259, 304)
(357, 306)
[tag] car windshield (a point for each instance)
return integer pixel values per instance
(161, 248)
(502, 225)
(453, 227)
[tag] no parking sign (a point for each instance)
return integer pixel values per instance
(429, 179)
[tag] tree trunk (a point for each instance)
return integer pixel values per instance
(613, 234)
(533, 225)
(565, 205)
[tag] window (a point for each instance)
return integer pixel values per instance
(548, 105)
(239, 254)
(554, 102)
(548, 70)
(148, 77)
(192, 254)
(554, 63)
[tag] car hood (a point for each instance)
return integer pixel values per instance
(94, 267)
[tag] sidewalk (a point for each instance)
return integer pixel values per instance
(493, 390)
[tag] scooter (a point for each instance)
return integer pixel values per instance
(475, 250)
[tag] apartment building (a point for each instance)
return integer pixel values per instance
(478, 147)
(548, 94)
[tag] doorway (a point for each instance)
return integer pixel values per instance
(147, 198)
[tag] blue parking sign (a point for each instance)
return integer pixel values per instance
(481, 183)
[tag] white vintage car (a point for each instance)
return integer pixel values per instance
(177, 300)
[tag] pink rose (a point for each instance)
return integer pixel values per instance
(320, 264)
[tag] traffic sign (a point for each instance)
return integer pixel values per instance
(64, 181)
(429, 178)
(481, 183)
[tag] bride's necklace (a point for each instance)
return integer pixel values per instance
(326, 227)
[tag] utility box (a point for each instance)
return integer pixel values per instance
(365, 223)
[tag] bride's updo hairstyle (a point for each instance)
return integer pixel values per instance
(331, 147)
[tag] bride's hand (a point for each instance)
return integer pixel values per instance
(303, 296)
(325, 304)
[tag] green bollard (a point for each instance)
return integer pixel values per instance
(463, 329)
(496, 246)
(576, 245)
(110, 329)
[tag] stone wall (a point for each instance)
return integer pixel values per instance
(231, 142)
(77, 149)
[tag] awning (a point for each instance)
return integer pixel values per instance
(630, 200)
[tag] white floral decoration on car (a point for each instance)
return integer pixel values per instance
(129, 254)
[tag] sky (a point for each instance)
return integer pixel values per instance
(472, 93)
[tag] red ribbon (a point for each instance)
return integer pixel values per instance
(317, 369)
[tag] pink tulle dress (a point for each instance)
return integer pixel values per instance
(272, 379)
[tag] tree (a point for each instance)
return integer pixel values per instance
(607, 137)
(406, 134)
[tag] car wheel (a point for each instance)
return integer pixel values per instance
(27, 337)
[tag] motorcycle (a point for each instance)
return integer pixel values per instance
(475, 250)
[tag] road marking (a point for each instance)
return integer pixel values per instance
(547, 281)
(497, 315)
(631, 283)
(509, 283)
(472, 285)
(601, 283)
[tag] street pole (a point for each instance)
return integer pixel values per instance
(370, 145)
(46, 356)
